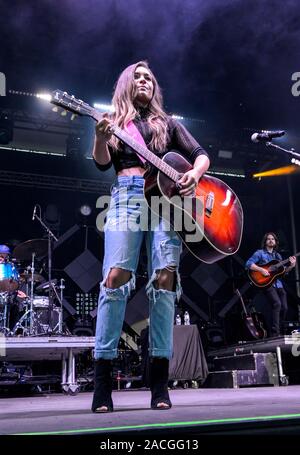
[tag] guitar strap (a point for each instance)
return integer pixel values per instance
(136, 135)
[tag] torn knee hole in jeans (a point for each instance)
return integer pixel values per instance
(152, 292)
(125, 289)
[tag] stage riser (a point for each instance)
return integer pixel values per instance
(237, 378)
(255, 361)
(259, 369)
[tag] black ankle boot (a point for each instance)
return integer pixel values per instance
(103, 386)
(159, 376)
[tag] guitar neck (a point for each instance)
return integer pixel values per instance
(279, 264)
(72, 104)
(242, 301)
(149, 156)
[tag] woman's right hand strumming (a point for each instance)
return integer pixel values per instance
(103, 129)
(103, 134)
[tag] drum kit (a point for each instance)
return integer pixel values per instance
(39, 301)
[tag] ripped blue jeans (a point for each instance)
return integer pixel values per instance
(127, 222)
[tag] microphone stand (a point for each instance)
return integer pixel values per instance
(31, 328)
(291, 151)
(51, 287)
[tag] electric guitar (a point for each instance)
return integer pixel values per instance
(275, 268)
(215, 211)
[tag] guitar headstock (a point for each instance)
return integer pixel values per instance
(72, 104)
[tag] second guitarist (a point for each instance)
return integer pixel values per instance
(275, 293)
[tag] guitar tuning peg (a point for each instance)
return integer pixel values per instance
(63, 113)
(55, 109)
(73, 116)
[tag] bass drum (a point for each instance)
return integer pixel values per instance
(41, 325)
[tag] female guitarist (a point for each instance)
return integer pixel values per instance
(258, 266)
(139, 141)
(138, 108)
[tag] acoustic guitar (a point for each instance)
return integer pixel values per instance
(215, 211)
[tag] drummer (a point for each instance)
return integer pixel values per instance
(4, 254)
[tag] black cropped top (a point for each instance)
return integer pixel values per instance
(179, 139)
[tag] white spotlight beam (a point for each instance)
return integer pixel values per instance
(104, 107)
(44, 96)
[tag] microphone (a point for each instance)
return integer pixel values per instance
(265, 136)
(34, 212)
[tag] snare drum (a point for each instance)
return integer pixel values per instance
(40, 301)
(8, 278)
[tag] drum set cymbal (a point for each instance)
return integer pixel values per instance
(45, 285)
(25, 250)
(27, 277)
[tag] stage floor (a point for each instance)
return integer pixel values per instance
(194, 410)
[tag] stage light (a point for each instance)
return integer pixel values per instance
(104, 107)
(44, 96)
(295, 161)
(187, 119)
(227, 173)
(85, 210)
(285, 170)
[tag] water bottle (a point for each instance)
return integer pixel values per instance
(178, 320)
(186, 318)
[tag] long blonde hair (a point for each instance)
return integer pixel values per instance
(125, 110)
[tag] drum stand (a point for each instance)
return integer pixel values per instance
(28, 330)
(31, 295)
(4, 317)
(29, 321)
(58, 329)
(23, 324)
